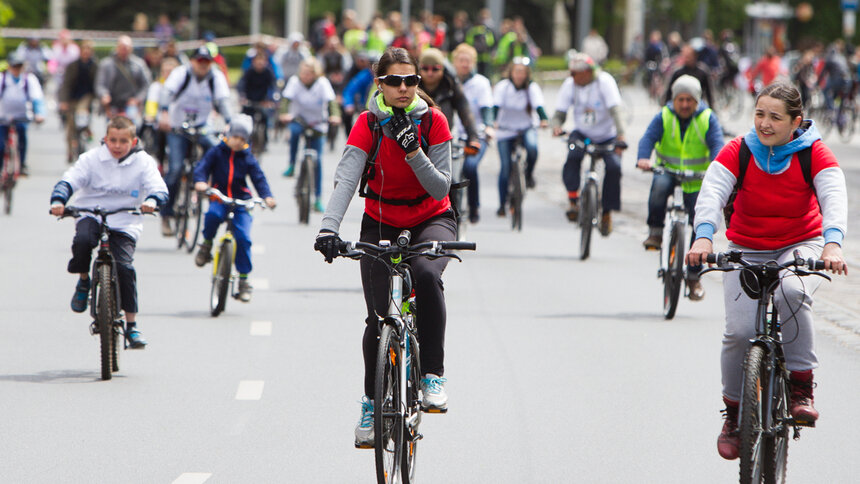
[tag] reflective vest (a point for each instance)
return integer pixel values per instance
(690, 153)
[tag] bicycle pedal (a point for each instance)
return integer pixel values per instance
(434, 410)
(805, 423)
(363, 446)
(660, 273)
(94, 328)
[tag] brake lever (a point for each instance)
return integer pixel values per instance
(817, 273)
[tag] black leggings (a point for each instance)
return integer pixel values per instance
(429, 293)
(121, 247)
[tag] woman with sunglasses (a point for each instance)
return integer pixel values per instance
(517, 100)
(408, 190)
(446, 91)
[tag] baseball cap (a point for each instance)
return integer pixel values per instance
(202, 53)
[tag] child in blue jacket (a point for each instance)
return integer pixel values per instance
(228, 164)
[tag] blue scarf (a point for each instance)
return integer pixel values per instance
(775, 159)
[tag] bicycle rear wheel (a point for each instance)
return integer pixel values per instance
(105, 311)
(674, 272)
(388, 426)
(304, 185)
(7, 187)
(587, 217)
(776, 447)
(847, 121)
(752, 417)
(221, 279)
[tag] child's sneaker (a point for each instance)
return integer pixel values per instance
(82, 293)
(204, 254)
(245, 289)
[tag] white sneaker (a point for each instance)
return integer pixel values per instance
(434, 398)
(364, 429)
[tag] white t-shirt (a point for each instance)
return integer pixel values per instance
(591, 104)
(310, 103)
(197, 98)
(97, 180)
(13, 104)
(479, 93)
(512, 102)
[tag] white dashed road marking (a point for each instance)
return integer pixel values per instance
(193, 478)
(250, 390)
(261, 328)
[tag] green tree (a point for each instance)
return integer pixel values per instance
(28, 13)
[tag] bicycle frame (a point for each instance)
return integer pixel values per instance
(228, 236)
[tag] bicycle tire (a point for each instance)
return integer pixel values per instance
(388, 426)
(517, 191)
(105, 311)
(197, 217)
(221, 278)
(776, 447)
(181, 209)
(258, 138)
(411, 435)
(303, 190)
(846, 127)
(587, 217)
(674, 270)
(7, 197)
(751, 416)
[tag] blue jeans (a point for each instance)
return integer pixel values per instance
(22, 142)
(572, 173)
(470, 172)
(241, 232)
(662, 185)
(177, 146)
(506, 150)
(296, 131)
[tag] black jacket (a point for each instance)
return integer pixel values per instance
(449, 97)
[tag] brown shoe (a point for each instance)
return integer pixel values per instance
(729, 442)
(166, 229)
(605, 225)
(655, 239)
(801, 397)
(573, 210)
(697, 292)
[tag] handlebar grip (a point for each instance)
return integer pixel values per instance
(711, 258)
(457, 245)
(815, 265)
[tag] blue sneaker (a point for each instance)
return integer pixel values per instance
(82, 293)
(289, 171)
(318, 206)
(434, 399)
(364, 429)
(135, 338)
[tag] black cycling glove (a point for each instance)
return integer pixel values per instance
(404, 131)
(328, 244)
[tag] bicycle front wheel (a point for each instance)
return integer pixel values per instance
(517, 192)
(195, 222)
(388, 422)
(413, 419)
(304, 185)
(182, 208)
(776, 447)
(105, 311)
(7, 187)
(587, 217)
(674, 272)
(752, 417)
(221, 278)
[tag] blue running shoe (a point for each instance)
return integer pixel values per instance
(82, 293)
(364, 429)
(289, 171)
(135, 338)
(318, 206)
(434, 399)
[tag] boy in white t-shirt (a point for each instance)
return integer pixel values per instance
(114, 175)
(19, 91)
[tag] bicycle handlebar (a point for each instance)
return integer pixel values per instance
(248, 204)
(432, 249)
(724, 261)
(682, 175)
(594, 148)
(71, 211)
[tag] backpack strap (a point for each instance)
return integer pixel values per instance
(187, 81)
(805, 158)
(744, 156)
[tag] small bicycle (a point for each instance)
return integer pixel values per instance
(105, 300)
(397, 401)
(764, 419)
(188, 207)
(589, 195)
(306, 180)
(675, 240)
(11, 165)
(223, 278)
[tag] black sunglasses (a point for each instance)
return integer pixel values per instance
(394, 80)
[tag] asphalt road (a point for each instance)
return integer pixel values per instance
(559, 370)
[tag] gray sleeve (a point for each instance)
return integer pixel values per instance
(346, 179)
(103, 77)
(433, 170)
(615, 112)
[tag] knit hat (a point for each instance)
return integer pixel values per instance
(241, 126)
(687, 84)
(432, 57)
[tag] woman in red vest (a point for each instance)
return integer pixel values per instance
(408, 189)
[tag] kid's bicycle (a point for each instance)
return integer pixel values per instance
(105, 300)
(764, 420)
(223, 279)
(397, 399)
(675, 240)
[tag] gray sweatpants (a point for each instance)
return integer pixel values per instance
(793, 300)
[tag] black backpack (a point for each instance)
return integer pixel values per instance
(744, 156)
